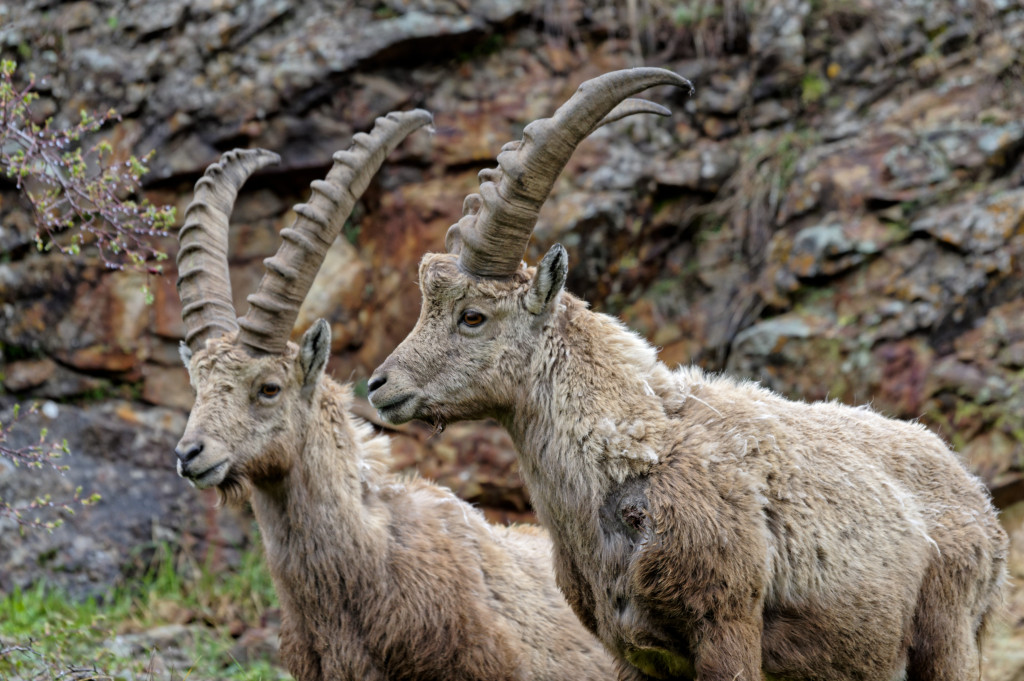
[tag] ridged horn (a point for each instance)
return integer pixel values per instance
(204, 285)
(274, 306)
(496, 225)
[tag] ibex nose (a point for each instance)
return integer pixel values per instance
(187, 451)
(376, 381)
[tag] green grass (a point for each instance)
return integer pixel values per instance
(813, 88)
(361, 387)
(44, 634)
(53, 632)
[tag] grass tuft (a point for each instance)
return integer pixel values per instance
(46, 635)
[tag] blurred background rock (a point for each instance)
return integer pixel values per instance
(837, 213)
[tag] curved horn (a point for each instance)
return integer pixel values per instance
(203, 283)
(267, 325)
(491, 237)
(629, 107)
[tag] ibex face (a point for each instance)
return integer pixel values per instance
(474, 341)
(251, 413)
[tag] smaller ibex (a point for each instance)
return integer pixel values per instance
(702, 526)
(379, 577)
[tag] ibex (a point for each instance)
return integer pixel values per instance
(379, 577)
(703, 527)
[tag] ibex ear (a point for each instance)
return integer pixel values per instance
(186, 354)
(549, 280)
(314, 349)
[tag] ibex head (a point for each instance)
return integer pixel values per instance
(254, 389)
(482, 307)
(251, 413)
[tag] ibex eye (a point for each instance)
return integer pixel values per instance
(269, 389)
(472, 318)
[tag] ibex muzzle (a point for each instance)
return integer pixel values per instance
(202, 466)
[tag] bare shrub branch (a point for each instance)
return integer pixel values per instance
(42, 512)
(78, 196)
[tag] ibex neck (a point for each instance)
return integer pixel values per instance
(594, 420)
(319, 524)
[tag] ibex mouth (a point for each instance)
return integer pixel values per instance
(208, 477)
(396, 408)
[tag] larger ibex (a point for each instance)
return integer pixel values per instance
(703, 527)
(379, 577)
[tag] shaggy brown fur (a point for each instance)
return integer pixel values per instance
(379, 577)
(705, 527)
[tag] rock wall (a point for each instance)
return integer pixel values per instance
(838, 212)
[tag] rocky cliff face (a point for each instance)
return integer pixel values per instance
(838, 212)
